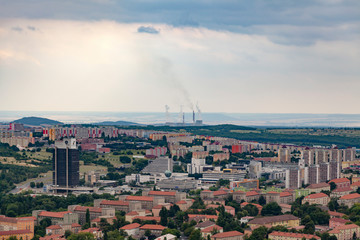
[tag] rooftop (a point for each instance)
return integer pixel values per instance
(54, 227)
(139, 198)
(205, 224)
(53, 214)
(212, 228)
(272, 219)
(318, 185)
(114, 203)
(227, 234)
(161, 193)
(316, 195)
(84, 209)
(350, 196)
(130, 226)
(294, 235)
(14, 232)
(152, 227)
(340, 180)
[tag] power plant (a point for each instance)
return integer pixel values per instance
(196, 118)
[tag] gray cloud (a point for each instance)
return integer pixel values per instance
(17, 29)
(31, 28)
(149, 29)
(231, 15)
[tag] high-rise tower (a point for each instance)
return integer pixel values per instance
(66, 163)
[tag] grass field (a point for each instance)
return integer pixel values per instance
(88, 168)
(42, 155)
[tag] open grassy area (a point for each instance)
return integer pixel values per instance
(13, 161)
(42, 155)
(88, 168)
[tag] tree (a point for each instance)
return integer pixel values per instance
(148, 233)
(82, 236)
(163, 216)
(309, 225)
(333, 205)
(195, 235)
(354, 236)
(87, 216)
(125, 159)
(175, 232)
(251, 209)
(259, 233)
(12, 238)
(67, 233)
(271, 209)
(332, 186)
(262, 200)
(32, 185)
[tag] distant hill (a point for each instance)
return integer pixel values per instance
(37, 121)
(117, 123)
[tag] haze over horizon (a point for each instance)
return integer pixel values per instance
(230, 56)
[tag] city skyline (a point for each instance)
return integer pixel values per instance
(236, 57)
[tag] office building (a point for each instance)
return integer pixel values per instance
(66, 163)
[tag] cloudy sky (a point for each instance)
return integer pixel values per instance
(258, 56)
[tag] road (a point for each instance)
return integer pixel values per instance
(46, 179)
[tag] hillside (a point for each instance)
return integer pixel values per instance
(116, 123)
(37, 121)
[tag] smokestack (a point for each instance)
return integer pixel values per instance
(193, 116)
(183, 118)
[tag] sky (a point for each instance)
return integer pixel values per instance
(236, 56)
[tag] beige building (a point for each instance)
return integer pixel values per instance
(286, 220)
(349, 200)
(345, 232)
(318, 187)
(232, 235)
(291, 236)
(317, 198)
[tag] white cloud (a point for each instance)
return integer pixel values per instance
(105, 65)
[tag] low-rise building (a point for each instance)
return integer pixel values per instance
(286, 220)
(232, 235)
(24, 234)
(349, 200)
(131, 229)
(317, 198)
(98, 234)
(341, 182)
(345, 232)
(155, 230)
(57, 218)
(146, 201)
(95, 212)
(318, 187)
(335, 222)
(20, 223)
(168, 196)
(291, 236)
(202, 217)
(354, 186)
(117, 205)
(339, 192)
(210, 230)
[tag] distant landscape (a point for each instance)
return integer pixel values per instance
(243, 119)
